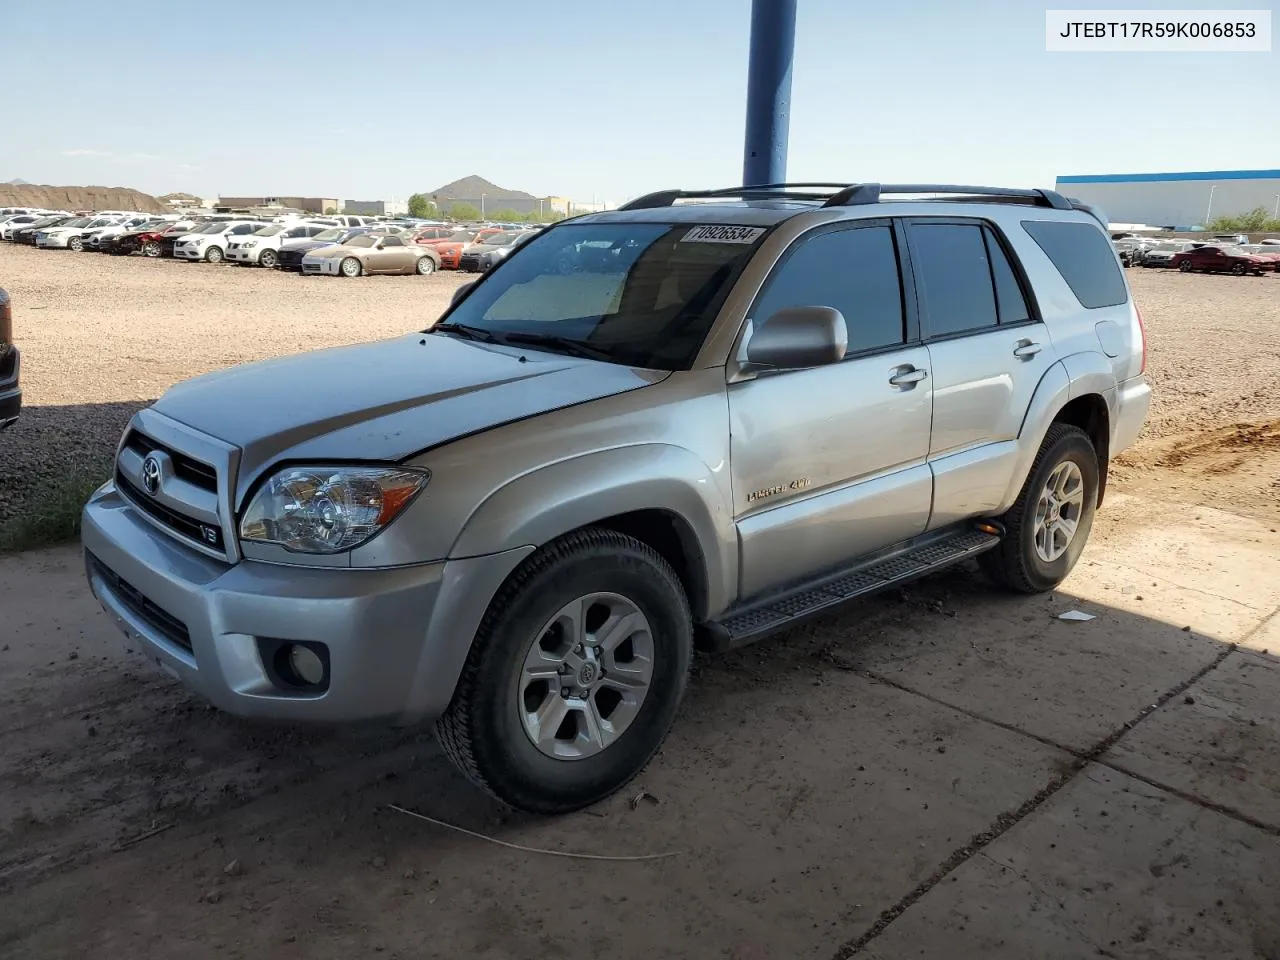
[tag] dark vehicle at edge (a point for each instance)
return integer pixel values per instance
(10, 388)
(27, 234)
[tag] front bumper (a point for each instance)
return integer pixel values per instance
(329, 266)
(10, 386)
(241, 255)
(396, 637)
(52, 243)
(1133, 400)
(188, 253)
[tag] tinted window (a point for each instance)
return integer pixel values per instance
(393, 242)
(954, 277)
(1084, 258)
(1009, 299)
(854, 271)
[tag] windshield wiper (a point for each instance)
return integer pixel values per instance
(470, 332)
(564, 344)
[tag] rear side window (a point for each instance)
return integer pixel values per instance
(1084, 257)
(1009, 297)
(953, 273)
(856, 272)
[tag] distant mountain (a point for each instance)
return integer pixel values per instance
(471, 189)
(78, 198)
(17, 182)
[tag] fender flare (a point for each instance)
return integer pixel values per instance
(536, 507)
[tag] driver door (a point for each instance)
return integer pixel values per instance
(830, 463)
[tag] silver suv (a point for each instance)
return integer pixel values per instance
(668, 425)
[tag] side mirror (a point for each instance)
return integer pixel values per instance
(798, 337)
(461, 292)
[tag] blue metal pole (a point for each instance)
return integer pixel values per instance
(773, 41)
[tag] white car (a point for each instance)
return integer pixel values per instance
(70, 236)
(209, 242)
(93, 239)
(11, 224)
(263, 246)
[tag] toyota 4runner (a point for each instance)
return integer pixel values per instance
(672, 424)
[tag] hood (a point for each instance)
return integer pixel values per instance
(334, 250)
(383, 401)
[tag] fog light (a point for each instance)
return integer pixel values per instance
(306, 665)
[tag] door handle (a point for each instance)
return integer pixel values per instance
(907, 376)
(1026, 349)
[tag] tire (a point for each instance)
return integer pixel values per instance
(1017, 562)
(1239, 269)
(213, 254)
(426, 266)
(486, 731)
(1185, 266)
(151, 249)
(268, 259)
(350, 267)
(76, 244)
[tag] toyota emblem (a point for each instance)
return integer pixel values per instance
(151, 475)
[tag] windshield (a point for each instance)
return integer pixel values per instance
(462, 236)
(500, 239)
(642, 294)
(362, 240)
(268, 231)
(1232, 250)
(333, 234)
(79, 222)
(215, 227)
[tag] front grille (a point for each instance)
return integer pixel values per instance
(163, 622)
(205, 533)
(188, 468)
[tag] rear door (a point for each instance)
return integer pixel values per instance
(828, 463)
(988, 350)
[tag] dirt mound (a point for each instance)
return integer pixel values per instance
(78, 198)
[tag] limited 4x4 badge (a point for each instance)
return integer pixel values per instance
(755, 495)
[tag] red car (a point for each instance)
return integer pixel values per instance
(1225, 259)
(450, 248)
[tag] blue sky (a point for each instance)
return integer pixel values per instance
(609, 98)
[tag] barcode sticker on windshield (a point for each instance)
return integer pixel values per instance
(722, 234)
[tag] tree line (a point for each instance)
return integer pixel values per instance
(1257, 220)
(421, 205)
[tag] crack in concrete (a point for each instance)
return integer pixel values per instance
(1004, 822)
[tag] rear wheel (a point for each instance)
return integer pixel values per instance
(350, 267)
(151, 248)
(1185, 266)
(1047, 526)
(268, 259)
(1239, 269)
(213, 254)
(575, 675)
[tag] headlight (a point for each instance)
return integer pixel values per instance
(329, 509)
(249, 244)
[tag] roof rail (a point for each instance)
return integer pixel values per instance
(860, 193)
(758, 191)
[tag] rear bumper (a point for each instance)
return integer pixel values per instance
(1133, 400)
(396, 638)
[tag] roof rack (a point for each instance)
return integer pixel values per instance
(856, 194)
(860, 193)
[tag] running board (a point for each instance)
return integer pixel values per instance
(757, 620)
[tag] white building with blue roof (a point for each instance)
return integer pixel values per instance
(1178, 200)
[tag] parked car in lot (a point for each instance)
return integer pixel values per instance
(667, 424)
(1162, 253)
(27, 235)
(450, 249)
(262, 247)
(371, 253)
(1223, 259)
(70, 235)
(292, 251)
(209, 242)
(10, 224)
(103, 239)
(483, 256)
(147, 238)
(428, 235)
(10, 365)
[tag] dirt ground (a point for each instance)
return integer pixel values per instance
(942, 772)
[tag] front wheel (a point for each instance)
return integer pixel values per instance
(426, 266)
(1239, 269)
(575, 675)
(151, 248)
(76, 244)
(1047, 526)
(350, 267)
(213, 255)
(268, 259)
